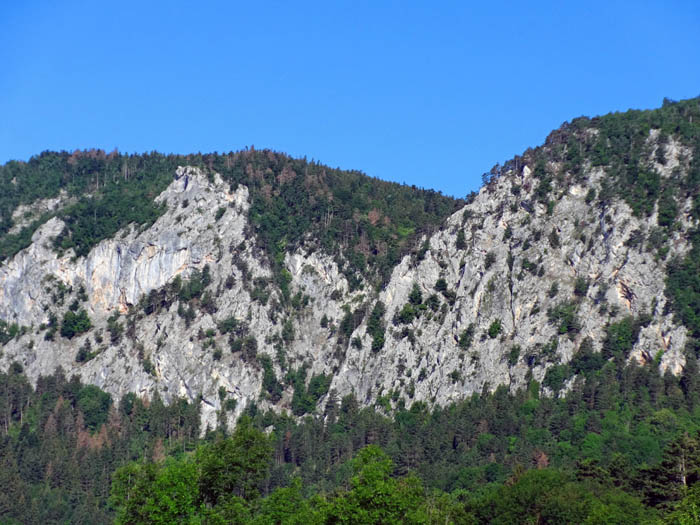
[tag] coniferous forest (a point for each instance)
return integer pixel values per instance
(623, 446)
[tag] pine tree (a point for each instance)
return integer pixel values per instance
(669, 480)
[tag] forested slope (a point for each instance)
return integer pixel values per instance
(623, 445)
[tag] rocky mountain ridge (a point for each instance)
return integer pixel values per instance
(545, 272)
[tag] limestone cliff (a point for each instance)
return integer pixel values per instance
(509, 287)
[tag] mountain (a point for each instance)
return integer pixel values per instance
(529, 353)
(276, 280)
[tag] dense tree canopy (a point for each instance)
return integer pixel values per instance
(621, 446)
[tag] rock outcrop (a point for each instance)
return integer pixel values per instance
(508, 288)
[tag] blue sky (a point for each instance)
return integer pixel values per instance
(426, 93)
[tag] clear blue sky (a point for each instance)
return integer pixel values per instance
(431, 95)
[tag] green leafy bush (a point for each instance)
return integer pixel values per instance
(270, 384)
(564, 315)
(556, 376)
(375, 326)
(75, 323)
(581, 286)
(494, 328)
(466, 337)
(620, 337)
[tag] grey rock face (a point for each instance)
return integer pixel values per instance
(494, 272)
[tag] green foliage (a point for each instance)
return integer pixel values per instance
(645, 186)
(416, 296)
(305, 399)
(529, 266)
(75, 323)
(581, 286)
(237, 466)
(249, 346)
(85, 353)
(552, 496)
(621, 143)
(441, 285)
(668, 480)
(94, 404)
(554, 239)
(228, 325)
(414, 307)
(553, 290)
(683, 287)
(622, 418)
(329, 203)
(287, 505)
(668, 209)
(586, 361)
(11, 243)
(564, 316)
(375, 326)
(319, 385)
(351, 320)
(195, 285)
(687, 512)
(508, 233)
(8, 331)
(376, 497)
(466, 337)
(61, 443)
(620, 337)
(270, 384)
(556, 376)
(460, 243)
(406, 315)
(106, 200)
(433, 302)
(288, 331)
(590, 196)
(489, 260)
(159, 494)
(494, 328)
(514, 355)
(92, 220)
(148, 367)
(544, 186)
